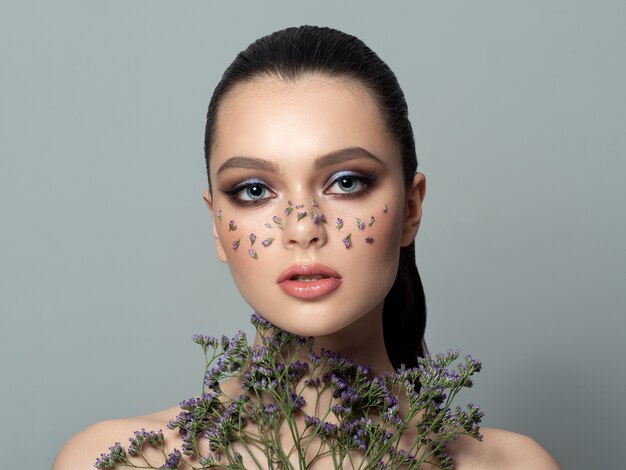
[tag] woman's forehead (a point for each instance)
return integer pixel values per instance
(307, 117)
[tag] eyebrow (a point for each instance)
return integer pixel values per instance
(323, 161)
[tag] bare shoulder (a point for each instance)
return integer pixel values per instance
(81, 451)
(501, 449)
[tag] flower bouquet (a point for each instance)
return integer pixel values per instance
(298, 409)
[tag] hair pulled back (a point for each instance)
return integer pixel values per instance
(294, 52)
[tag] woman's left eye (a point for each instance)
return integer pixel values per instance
(347, 184)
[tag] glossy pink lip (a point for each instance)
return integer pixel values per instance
(309, 289)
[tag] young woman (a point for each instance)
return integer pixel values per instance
(316, 203)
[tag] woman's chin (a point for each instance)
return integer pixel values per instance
(306, 326)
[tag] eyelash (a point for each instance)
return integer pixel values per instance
(367, 180)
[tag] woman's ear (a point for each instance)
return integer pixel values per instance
(219, 248)
(413, 209)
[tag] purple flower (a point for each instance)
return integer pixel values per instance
(314, 202)
(271, 409)
(349, 395)
(347, 241)
(301, 215)
(369, 240)
(340, 409)
(277, 220)
(311, 420)
(296, 401)
(236, 244)
(231, 226)
(296, 370)
(299, 206)
(288, 210)
(385, 209)
(205, 341)
(259, 322)
(392, 415)
(268, 225)
(337, 361)
(252, 239)
(315, 359)
(339, 223)
(329, 428)
(267, 242)
(173, 460)
(359, 442)
(115, 457)
(405, 458)
(218, 214)
(360, 224)
(371, 221)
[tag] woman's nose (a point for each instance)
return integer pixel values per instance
(303, 228)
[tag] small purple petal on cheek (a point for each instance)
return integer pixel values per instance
(277, 220)
(267, 242)
(236, 244)
(269, 225)
(360, 224)
(314, 202)
(253, 254)
(385, 209)
(252, 238)
(369, 240)
(339, 223)
(371, 222)
(218, 214)
(301, 215)
(347, 241)
(231, 226)
(288, 210)
(299, 206)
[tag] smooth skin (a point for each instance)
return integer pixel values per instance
(287, 134)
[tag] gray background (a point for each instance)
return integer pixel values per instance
(107, 266)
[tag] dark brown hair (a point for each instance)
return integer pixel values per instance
(294, 52)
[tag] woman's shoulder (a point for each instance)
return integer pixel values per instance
(81, 450)
(500, 449)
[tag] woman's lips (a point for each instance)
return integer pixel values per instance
(308, 281)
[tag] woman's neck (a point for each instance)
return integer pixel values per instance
(362, 342)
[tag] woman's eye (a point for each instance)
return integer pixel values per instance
(249, 193)
(253, 192)
(346, 184)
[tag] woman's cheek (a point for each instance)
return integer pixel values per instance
(244, 239)
(364, 230)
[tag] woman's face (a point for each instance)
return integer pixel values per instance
(308, 201)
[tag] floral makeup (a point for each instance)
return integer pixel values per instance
(307, 191)
(315, 217)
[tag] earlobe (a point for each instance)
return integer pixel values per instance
(413, 209)
(221, 254)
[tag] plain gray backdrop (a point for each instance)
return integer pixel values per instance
(107, 262)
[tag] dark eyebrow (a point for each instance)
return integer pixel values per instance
(344, 155)
(251, 163)
(323, 161)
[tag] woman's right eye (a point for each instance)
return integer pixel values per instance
(249, 193)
